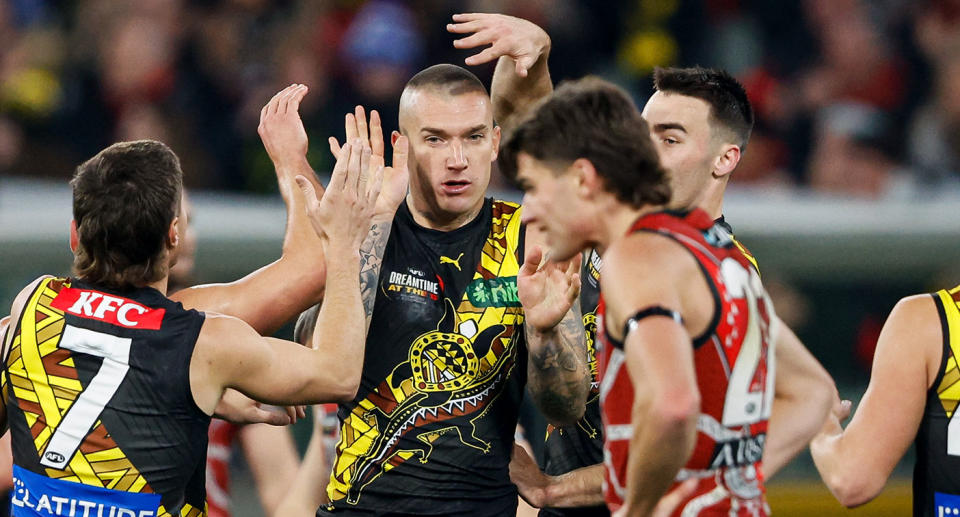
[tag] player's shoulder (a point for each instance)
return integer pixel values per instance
(220, 331)
(917, 308)
(952, 294)
(915, 320)
(221, 336)
(16, 308)
(915, 330)
(507, 221)
(21, 299)
(641, 250)
(646, 258)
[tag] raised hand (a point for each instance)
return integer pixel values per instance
(281, 129)
(547, 289)
(516, 38)
(396, 177)
(342, 217)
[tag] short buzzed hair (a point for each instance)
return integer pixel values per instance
(729, 105)
(452, 79)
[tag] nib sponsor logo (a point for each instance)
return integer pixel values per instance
(494, 292)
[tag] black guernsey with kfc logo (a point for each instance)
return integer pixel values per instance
(98, 398)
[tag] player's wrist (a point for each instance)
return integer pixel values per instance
(553, 491)
(383, 216)
(545, 45)
(543, 330)
(341, 254)
(292, 165)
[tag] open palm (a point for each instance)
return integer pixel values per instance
(547, 289)
(396, 177)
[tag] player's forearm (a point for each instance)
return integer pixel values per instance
(557, 373)
(371, 262)
(663, 439)
(273, 460)
(266, 299)
(299, 237)
(577, 488)
(340, 332)
(803, 395)
(307, 491)
(513, 95)
(795, 420)
(303, 255)
(852, 479)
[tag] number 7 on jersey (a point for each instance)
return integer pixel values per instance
(86, 410)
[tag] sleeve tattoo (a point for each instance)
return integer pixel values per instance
(557, 374)
(371, 261)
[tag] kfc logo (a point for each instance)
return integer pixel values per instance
(110, 309)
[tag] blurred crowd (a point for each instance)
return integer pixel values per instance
(853, 97)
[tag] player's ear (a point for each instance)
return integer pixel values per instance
(588, 181)
(74, 237)
(726, 161)
(173, 233)
(496, 142)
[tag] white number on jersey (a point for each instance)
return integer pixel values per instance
(85, 411)
(741, 405)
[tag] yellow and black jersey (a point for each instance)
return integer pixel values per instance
(580, 445)
(722, 224)
(99, 405)
(431, 429)
(936, 476)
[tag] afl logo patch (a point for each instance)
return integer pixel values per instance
(54, 457)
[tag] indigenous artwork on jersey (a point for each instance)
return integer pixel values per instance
(949, 388)
(451, 376)
(46, 399)
(91, 460)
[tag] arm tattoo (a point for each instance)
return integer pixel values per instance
(557, 373)
(371, 260)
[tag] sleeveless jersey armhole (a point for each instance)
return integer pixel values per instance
(715, 320)
(944, 344)
(187, 360)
